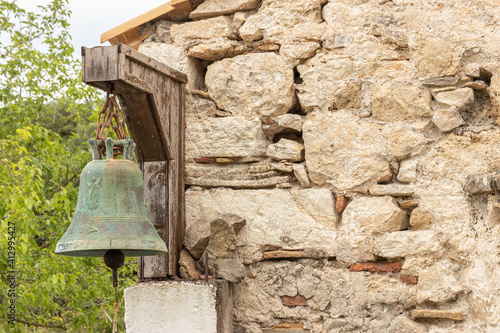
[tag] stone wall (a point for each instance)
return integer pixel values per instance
(329, 145)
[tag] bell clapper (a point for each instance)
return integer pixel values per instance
(114, 259)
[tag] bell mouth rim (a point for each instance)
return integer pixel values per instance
(97, 248)
(100, 252)
(112, 160)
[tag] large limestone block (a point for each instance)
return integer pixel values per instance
(212, 28)
(437, 284)
(216, 51)
(176, 58)
(420, 219)
(447, 119)
(413, 266)
(276, 18)
(407, 243)
(348, 95)
(287, 218)
(373, 214)
(322, 76)
(294, 52)
(240, 17)
(252, 84)
(402, 140)
(459, 98)
(437, 57)
(221, 250)
(286, 123)
(299, 50)
(198, 108)
(336, 40)
(353, 248)
(210, 8)
(286, 150)
(197, 236)
(309, 31)
(345, 151)
(225, 137)
(341, 12)
(400, 101)
(458, 156)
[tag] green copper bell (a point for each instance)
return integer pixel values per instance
(111, 212)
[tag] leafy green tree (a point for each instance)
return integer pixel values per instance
(45, 114)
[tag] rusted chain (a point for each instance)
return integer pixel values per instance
(117, 307)
(110, 116)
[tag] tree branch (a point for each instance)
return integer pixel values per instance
(61, 326)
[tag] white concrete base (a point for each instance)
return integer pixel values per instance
(171, 306)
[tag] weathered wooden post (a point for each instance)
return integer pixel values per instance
(153, 99)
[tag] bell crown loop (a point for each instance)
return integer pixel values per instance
(125, 145)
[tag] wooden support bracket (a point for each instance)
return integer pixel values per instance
(152, 96)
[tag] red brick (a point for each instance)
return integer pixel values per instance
(341, 204)
(408, 279)
(269, 47)
(204, 160)
(376, 267)
(284, 327)
(294, 301)
(282, 254)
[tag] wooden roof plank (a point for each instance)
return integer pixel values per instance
(127, 33)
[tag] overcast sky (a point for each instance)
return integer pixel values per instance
(90, 18)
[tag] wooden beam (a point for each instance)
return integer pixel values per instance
(149, 62)
(156, 193)
(109, 52)
(128, 34)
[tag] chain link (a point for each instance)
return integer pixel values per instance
(111, 116)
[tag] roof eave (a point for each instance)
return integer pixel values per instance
(128, 32)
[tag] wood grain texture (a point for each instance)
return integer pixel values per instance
(156, 194)
(176, 172)
(153, 64)
(100, 64)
